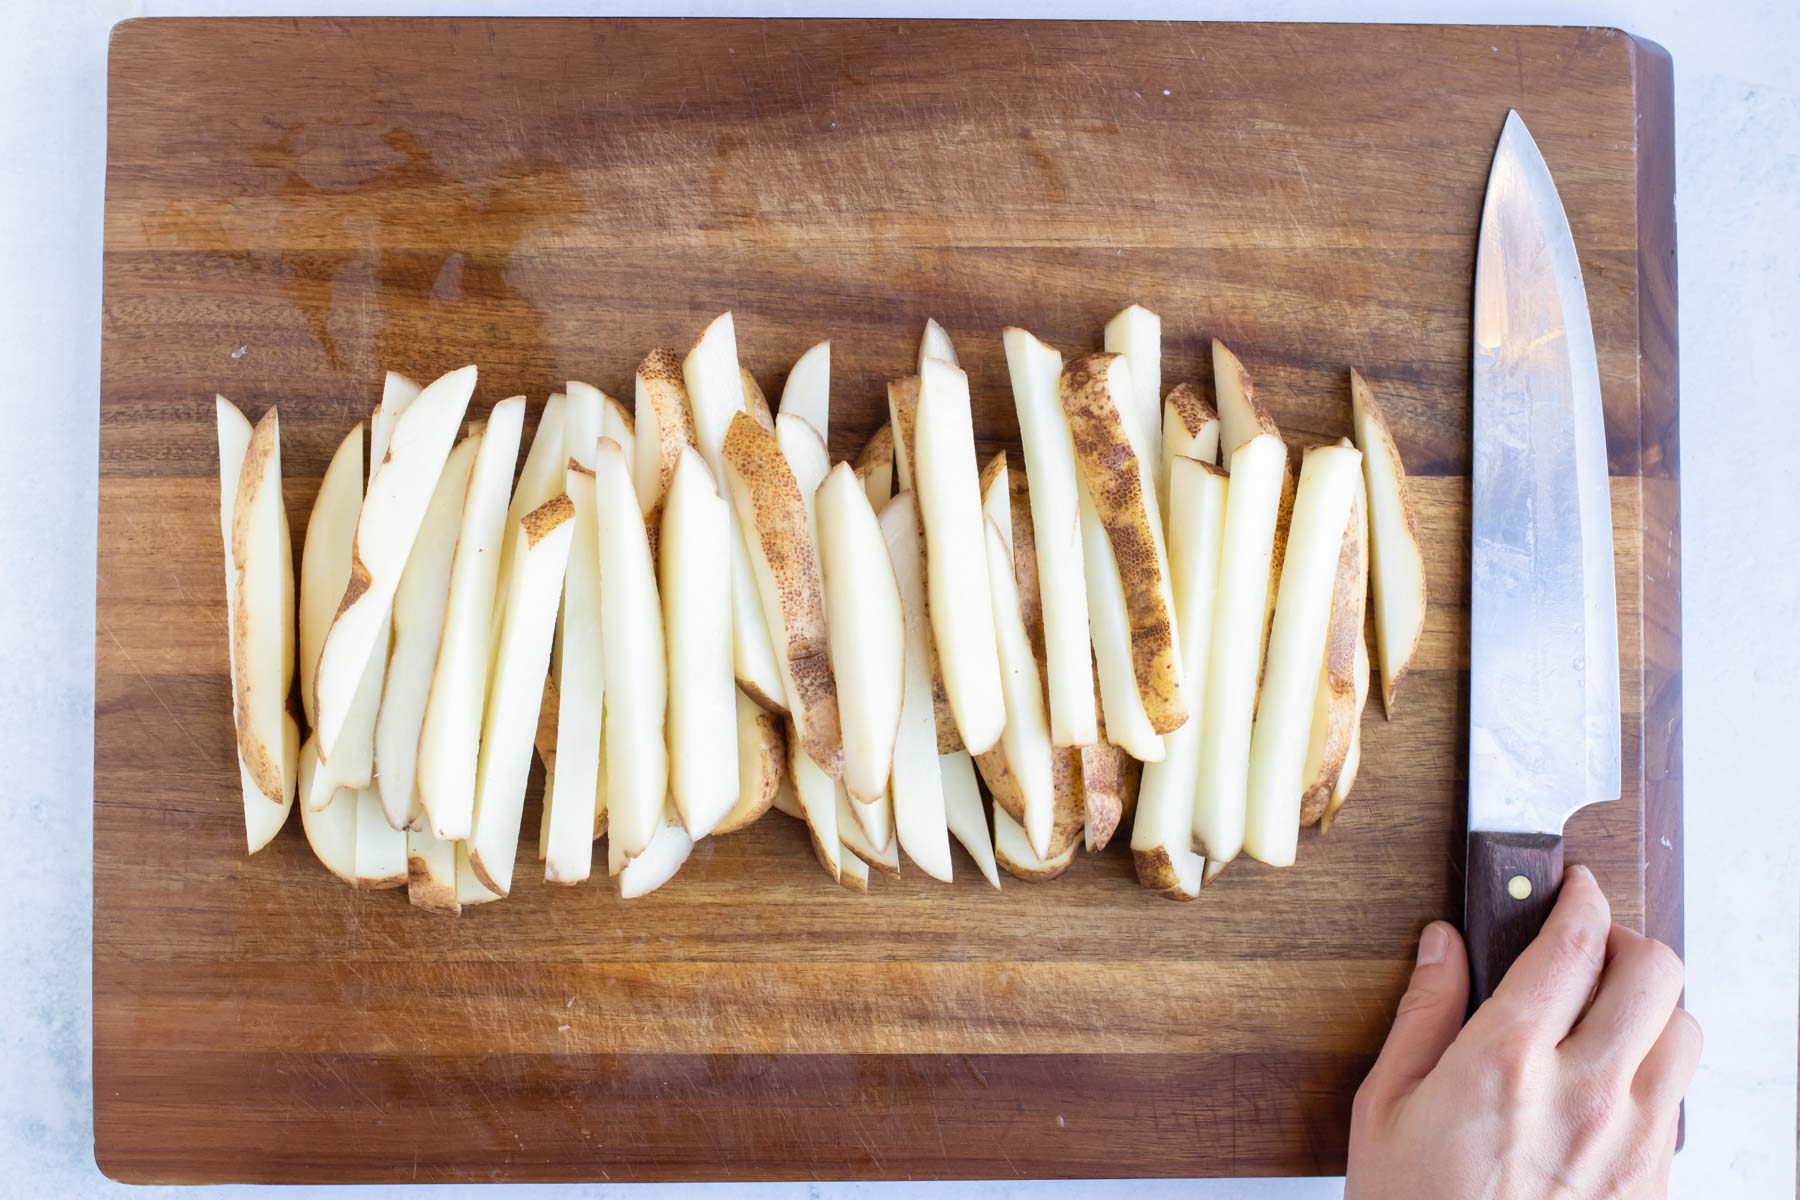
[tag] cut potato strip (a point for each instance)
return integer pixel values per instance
(755, 403)
(632, 646)
(669, 848)
(398, 494)
(816, 794)
(1163, 832)
(1136, 333)
(854, 873)
(1097, 397)
(1013, 852)
(539, 562)
(1329, 478)
(804, 449)
(262, 820)
(866, 631)
(397, 393)
(718, 389)
(450, 736)
(959, 594)
(785, 801)
(1258, 461)
(876, 466)
(325, 556)
(572, 789)
(431, 873)
(1036, 371)
(1397, 565)
(1190, 430)
(903, 415)
(262, 614)
(664, 427)
(694, 583)
(916, 784)
(380, 848)
(874, 845)
(1025, 740)
(1334, 704)
(539, 479)
(470, 891)
(965, 814)
(1121, 719)
(330, 829)
(772, 514)
(807, 394)
(762, 759)
(1353, 756)
(420, 603)
(935, 344)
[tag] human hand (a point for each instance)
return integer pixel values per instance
(1567, 1083)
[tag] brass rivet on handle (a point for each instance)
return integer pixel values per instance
(1519, 887)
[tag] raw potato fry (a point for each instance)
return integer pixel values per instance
(866, 633)
(262, 617)
(669, 847)
(431, 873)
(695, 587)
(450, 736)
(1107, 774)
(772, 514)
(810, 462)
(963, 811)
(1020, 767)
(903, 414)
(664, 427)
(380, 848)
(807, 395)
(1136, 333)
(1257, 460)
(325, 556)
(470, 891)
(755, 403)
(1190, 430)
(572, 791)
(916, 784)
(876, 466)
(616, 423)
(1163, 832)
(785, 801)
(397, 393)
(854, 873)
(631, 636)
(1036, 371)
(398, 494)
(718, 389)
(861, 843)
(330, 831)
(816, 793)
(324, 571)
(1096, 395)
(262, 820)
(1397, 565)
(1334, 705)
(1329, 477)
(935, 344)
(762, 755)
(539, 479)
(1012, 850)
(957, 586)
(1213, 871)
(1353, 756)
(1121, 717)
(420, 602)
(539, 561)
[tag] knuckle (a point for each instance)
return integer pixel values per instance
(1514, 1062)
(1583, 942)
(1592, 1103)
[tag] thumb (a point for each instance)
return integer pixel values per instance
(1430, 1014)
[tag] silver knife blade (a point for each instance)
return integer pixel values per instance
(1543, 640)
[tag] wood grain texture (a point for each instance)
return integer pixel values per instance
(294, 206)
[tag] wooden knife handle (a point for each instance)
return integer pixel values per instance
(1512, 882)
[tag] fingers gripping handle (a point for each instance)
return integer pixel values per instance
(1511, 885)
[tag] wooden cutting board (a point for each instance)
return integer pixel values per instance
(293, 206)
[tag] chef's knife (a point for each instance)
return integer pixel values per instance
(1543, 635)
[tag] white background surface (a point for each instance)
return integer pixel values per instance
(1738, 137)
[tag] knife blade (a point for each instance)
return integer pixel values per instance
(1543, 637)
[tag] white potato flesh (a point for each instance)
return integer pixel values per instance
(807, 394)
(966, 815)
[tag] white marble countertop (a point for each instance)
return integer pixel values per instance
(1738, 138)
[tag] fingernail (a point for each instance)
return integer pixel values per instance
(1434, 943)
